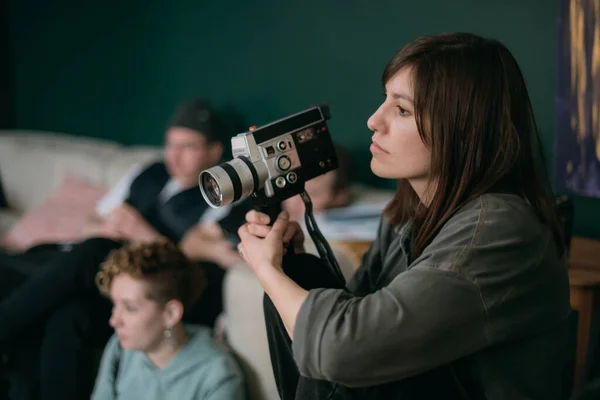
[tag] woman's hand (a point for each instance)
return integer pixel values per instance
(257, 225)
(262, 248)
(263, 245)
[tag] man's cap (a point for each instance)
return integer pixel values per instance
(198, 115)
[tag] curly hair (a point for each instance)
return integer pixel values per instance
(169, 273)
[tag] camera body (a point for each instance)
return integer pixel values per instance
(271, 163)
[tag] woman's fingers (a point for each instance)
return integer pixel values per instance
(292, 230)
(243, 232)
(280, 225)
(255, 217)
(262, 252)
(259, 230)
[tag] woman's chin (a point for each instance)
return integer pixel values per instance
(126, 344)
(379, 170)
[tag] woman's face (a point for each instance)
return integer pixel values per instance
(138, 321)
(397, 149)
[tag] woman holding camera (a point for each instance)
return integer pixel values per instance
(464, 294)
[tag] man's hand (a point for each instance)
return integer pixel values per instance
(130, 225)
(98, 226)
(207, 242)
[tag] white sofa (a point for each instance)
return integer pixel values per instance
(33, 164)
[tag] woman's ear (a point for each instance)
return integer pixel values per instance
(172, 313)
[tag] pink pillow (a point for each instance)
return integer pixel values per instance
(60, 218)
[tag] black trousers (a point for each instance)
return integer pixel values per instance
(311, 272)
(66, 276)
(51, 316)
(53, 319)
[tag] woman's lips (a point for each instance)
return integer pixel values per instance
(375, 148)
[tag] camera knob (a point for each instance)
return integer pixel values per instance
(292, 177)
(280, 182)
(284, 163)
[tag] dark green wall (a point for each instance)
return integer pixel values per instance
(116, 71)
(7, 117)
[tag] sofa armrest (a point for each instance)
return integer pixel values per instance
(246, 331)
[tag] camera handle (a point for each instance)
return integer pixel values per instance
(319, 240)
(272, 209)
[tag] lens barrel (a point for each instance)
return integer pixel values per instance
(231, 181)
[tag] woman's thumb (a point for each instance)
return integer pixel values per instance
(280, 225)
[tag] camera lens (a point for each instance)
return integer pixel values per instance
(231, 181)
(212, 189)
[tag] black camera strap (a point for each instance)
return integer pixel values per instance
(319, 240)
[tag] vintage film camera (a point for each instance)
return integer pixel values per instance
(271, 163)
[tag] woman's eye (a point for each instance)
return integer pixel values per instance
(130, 309)
(402, 111)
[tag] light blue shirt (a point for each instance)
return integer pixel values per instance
(201, 370)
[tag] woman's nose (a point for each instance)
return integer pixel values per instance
(114, 320)
(374, 121)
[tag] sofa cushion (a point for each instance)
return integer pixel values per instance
(60, 218)
(32, 167)
(50, 140)
(122, 161)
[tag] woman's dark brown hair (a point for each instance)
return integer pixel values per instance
(169, 273)
(473, 111)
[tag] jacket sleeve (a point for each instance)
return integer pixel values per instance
(478, 277)
(423, 319)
